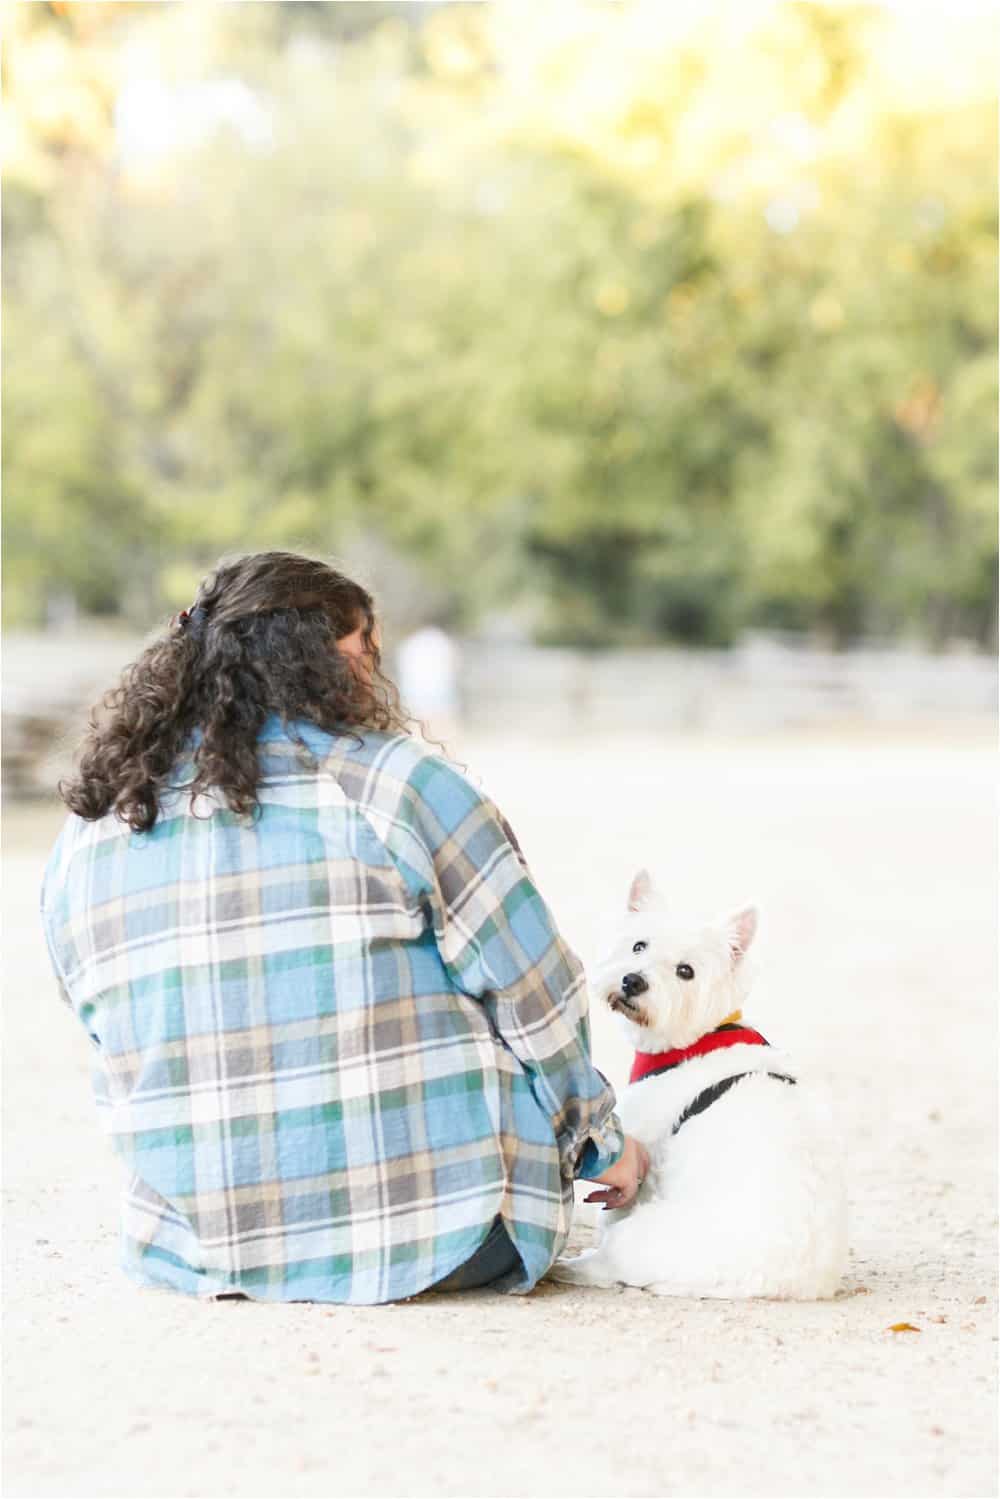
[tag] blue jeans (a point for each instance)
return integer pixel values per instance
(495, 1256)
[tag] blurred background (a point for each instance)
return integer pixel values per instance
(646, 350)
(641, 359)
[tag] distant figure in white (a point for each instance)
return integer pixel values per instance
(427, 664)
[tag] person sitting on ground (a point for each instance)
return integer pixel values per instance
(339, 1042)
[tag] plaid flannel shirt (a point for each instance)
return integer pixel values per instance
(333, 1044)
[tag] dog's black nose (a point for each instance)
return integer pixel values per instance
(633, 984)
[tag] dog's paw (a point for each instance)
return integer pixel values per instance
(580, 1271)
(565, 1271)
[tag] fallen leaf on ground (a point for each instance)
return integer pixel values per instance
(979, 1301)
(902, 1327)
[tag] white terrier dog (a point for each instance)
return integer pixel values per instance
(745, 1192)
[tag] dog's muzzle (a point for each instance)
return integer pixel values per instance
(623, 999)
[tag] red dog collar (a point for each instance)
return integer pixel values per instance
(649, 1063)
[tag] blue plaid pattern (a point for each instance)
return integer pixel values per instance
(333, 1044)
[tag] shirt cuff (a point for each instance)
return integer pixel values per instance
(604, 1147)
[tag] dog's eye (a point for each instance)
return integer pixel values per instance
(685, 971)
(640, 946)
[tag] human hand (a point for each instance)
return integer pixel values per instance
(623, 1180)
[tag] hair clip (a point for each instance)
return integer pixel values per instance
(191, 619)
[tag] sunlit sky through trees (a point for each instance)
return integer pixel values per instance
(633, 321)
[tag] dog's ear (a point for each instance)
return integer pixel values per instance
(741, 928)
(643, 893)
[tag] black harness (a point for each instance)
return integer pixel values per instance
(710, 1095)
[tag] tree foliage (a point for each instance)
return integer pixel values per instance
(644, 323)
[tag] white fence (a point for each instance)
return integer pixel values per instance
(764, 683)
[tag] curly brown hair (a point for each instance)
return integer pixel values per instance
(260, 638)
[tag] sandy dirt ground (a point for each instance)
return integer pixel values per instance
(873, 863)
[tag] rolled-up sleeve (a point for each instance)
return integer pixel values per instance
(500, 944)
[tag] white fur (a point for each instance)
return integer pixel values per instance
(748, 1198)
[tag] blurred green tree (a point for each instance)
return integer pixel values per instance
(653, 327)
